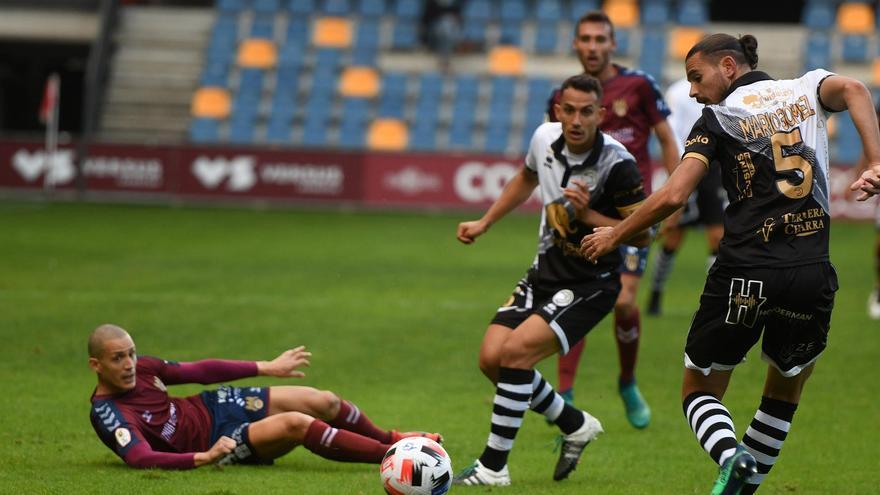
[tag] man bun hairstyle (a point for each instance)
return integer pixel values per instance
(583, 82)
(743, 49)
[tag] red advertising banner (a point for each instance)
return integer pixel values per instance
(393, 180)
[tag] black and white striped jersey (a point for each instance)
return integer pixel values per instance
(770, 139)
(616, 189)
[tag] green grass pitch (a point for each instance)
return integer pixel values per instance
(393, 309)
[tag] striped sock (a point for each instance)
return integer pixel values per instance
(663, 263)
(711, 422)
(546, 401)
(512, 396)
(352, 419)
(765, 436)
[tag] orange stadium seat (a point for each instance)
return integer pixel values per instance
(359, 82)
(211, 102)
(682, 39)
(257, 53)
(623, 13)
(855, 18)
(506, 61)
(387, 135)
(332, 32)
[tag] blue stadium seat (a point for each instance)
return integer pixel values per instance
(464, 102)
(819, 14)
(269, 7)
(581, 7)
(424, 135)
(223, 40)
(548, 10)
(408, 9)
(849, 147)
(817, 53)
(511, 33)
(513, 11)
(546, 37)
(302, 7)
(653, 52)
(480, 10)
(241, 129)
(392, 101)
(371, 8)
(263, 27)
(854, 48)
(405, 35)
(203, 130)
(337, 7)
(314, 132)
(297, 32)
(503, 87)
(250, 84)
(497, 136)
(214, 74)
(327, 59)
(474, 31)
(291, 54)
(230, 6)
(692, 12)
(467, 87)
(655, 12)
(278, 130)
(366, 45)
(352, 130)
(286, 82)
(622, 36)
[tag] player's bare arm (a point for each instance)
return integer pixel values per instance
(515, 193)
(287, 364)
(223, 446)
(842, 93)
(658, 206)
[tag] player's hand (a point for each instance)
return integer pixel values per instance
(598, 243)
(468, 232)
(868, 183)
(220, 449)
(286, 365)
(578, 196)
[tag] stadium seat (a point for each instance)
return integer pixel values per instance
(424, 136)
(366, 46)
(263, 27)
(340, 8)
(849, 147)
(241, 130)
(204, 130)
(548, 11)
(513, 11)
(257, 53)
(371, 8)
(817, 52)
(223, 40)
(473, 31)
(393, 99)
(655, 12)
(268, 7)
(387, 135)
(278, 131)
(653, 52)
(211, 102)
(682, 39)
(506, 60)
(546, 37)
(581, 7)
(250, 84)
(301, 7)
(214, 74)
(819, 14)
(407, 9)
(854, 48)
(477, 10)
(623, 13)
(622, 37)
(297, 32)
(855, 18)
(511, 33)
(291, 55)
(692, 13)
(359, 82)
(332, 32)
(230, 6)
(405, 35)
(353, 121)
(327, 60)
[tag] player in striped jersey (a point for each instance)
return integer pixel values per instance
(773, 274)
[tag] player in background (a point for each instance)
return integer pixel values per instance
(773, 273)
(704, 207)
(633, 108)
(135, 417)
(874, 297)
(587, 179)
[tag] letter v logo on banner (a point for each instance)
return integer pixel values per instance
(239, 170)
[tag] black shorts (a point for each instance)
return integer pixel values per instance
(792, 306)
(706, 204)
(570, 312)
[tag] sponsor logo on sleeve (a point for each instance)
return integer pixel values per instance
(123, 436)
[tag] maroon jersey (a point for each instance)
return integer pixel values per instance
(148, 428)
(633, 106)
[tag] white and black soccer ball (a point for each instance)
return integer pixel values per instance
(416, 466)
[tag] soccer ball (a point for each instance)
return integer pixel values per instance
(416, 466)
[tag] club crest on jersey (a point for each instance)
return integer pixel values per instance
(253, 403)
(158, 383)
(563, 298)
(591, 179)
(123, 436)
(619, 107)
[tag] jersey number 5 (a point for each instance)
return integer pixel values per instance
(787, 158)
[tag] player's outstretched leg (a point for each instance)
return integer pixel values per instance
(711, 422)
(573, 445)
(735, 472)
(627, 331)
(765, 436)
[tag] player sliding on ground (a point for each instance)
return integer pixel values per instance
(587, 179)
(773, 273)
(135, 417)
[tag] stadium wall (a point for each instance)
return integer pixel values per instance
(193, 174)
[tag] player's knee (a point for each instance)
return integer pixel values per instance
(296, 425)
(329, 404)
(625, 306)
(489, 367)
(514, 354)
